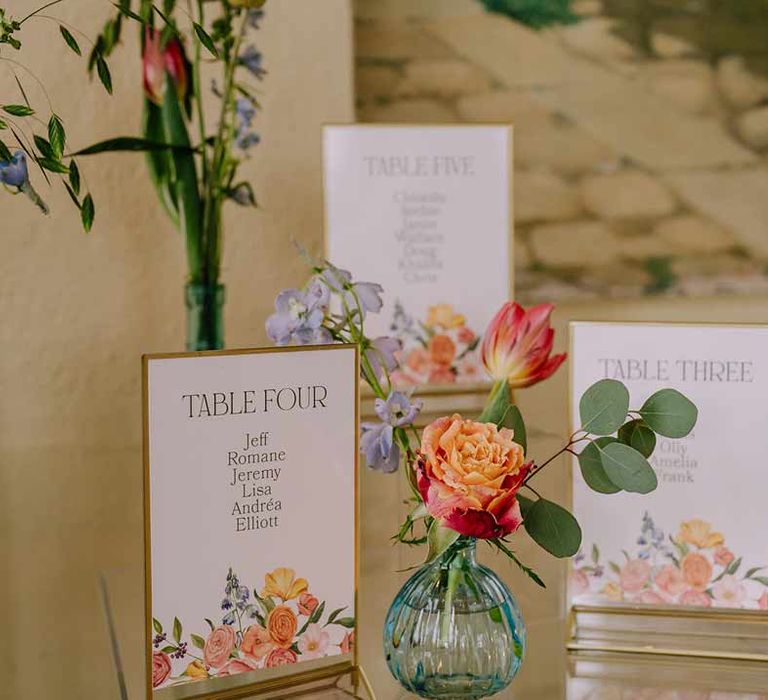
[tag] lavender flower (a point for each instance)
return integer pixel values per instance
(298, 318)
(14, 172)
(251, 59)
(254, 17)
(381, 355)
(367, 293)
(377, 440)
(245, 112)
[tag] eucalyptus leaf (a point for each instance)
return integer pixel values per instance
(439, 539)
(639, 436)
(669, 413)
(627, 468)
(592, 470)
(205, 39)
(87, 212)
(553, 528)
(71, 41)
(603, 407)
(513, 420)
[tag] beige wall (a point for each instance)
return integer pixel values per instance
(78, 311)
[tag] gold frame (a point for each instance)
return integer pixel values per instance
(438, 397)
(285, 680)
(709, 618)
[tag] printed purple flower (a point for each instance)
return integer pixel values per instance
(14, 172)
(298, 319)
(398, 410)
(381, 355)
(251, 59)
(245, 112)
(381, 452)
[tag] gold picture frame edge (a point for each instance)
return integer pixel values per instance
(283, 680)
(703, 614)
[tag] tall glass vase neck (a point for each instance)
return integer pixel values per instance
(463, 552)
(205, 316)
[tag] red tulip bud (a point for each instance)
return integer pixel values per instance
(159, 60)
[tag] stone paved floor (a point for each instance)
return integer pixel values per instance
(634, 176)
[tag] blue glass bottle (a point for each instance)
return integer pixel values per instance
(454, 630)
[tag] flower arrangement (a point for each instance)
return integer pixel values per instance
(281, 625)
(193, 176)
(693, 568)
(473, 477)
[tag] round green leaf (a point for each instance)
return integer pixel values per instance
(627, 468)
(669, 413)
(603, 407)
(592, 469)
(639, 436)
(553, 528)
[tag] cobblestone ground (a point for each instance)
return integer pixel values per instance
(634, 175)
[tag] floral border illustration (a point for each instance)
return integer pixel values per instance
(281, 625)
(692, 568)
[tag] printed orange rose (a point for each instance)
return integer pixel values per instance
(723, 556)
(235, 666)
(282, 583)
(161, 668)
(443, 316)
(281, 625)
(469, 474)
(441, 374)
(219, 646)
(670, 581)
(307, 604)
(699, 533)
(280, 657)
(442, 350)
(634, 575)
(697, 570)
(257, 642)
(196, 670)
(347, 645)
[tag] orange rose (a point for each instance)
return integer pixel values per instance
(697, 571)
(469, 474)
(282, 625)
(442, 349)
(307, 604)
(219, 646)
(280, 657)
(257, 642)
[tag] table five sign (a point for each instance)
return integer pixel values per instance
(698, 540)
(250, 478)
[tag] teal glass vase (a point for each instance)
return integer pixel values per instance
(454, 630)
(205, 316)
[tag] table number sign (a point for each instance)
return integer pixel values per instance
(425, 211)
(250, 477)
(696, 544)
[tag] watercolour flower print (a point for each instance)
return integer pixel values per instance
(441, 349)
(693, 567)
(281, 624)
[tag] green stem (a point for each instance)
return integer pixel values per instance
(199, 99)
(454, 572)
(39, 10)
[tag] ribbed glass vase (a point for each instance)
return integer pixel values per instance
(454, 630)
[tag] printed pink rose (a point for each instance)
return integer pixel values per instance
(465, 335)
(634, 575)
(280, 657)
(729, 592)
(697, 598)
(762, 601)
(235, 666)
(469, 474)
(723, 556)
(307, 604)
(670, 581)
(347, 645)
(257, 642)
(697, 570)
(518, 344)
(219, 646)
(579, 582)
(441, 374)
(161, 668)
(314, 642)
(650, 598)
(417, 360)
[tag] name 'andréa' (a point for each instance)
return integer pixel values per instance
(236, 403)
